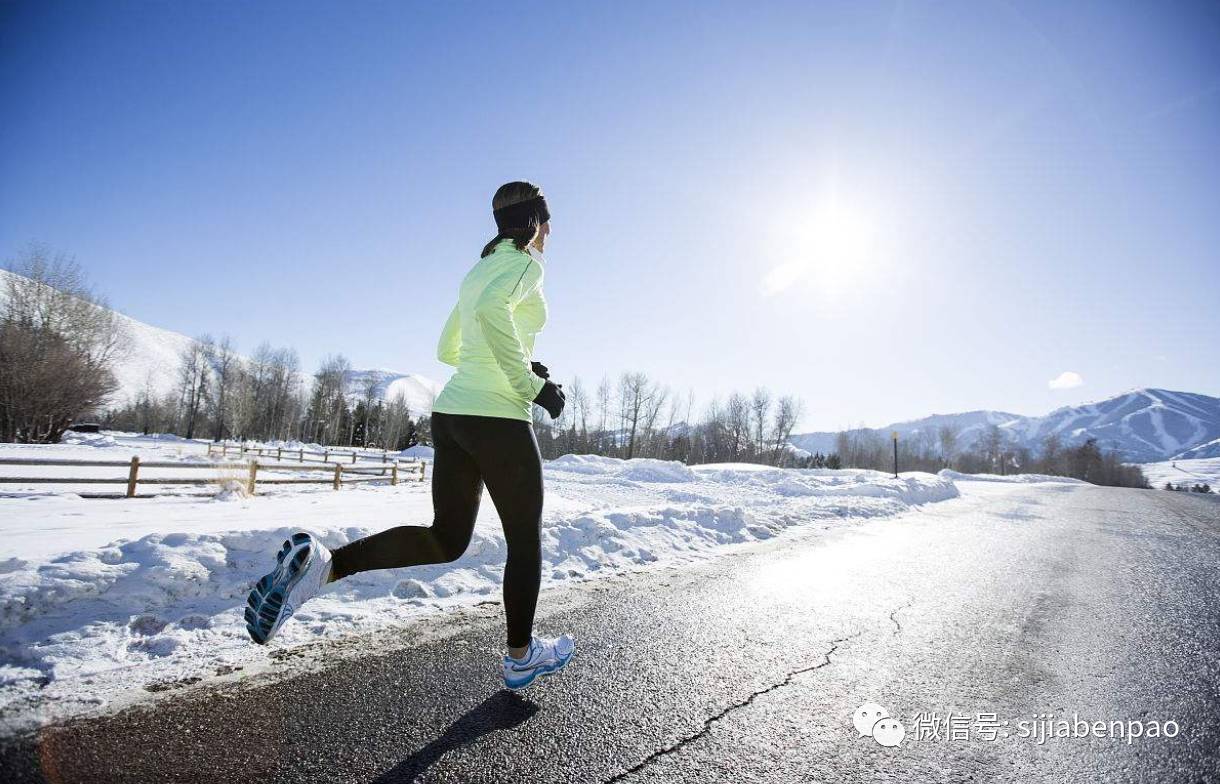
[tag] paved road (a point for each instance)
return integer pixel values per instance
(1013, 601)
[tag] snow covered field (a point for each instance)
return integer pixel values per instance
(103, 598)
(1187, 472)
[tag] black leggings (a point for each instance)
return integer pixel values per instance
(471, 450)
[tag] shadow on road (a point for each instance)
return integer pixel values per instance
(501, 711)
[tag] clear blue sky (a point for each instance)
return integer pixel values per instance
(889, 209)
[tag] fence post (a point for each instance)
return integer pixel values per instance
(279, 453)
(353, 458)
(422, 465)
(394, 474)
(253, 475)
(131, 476)
(338, 475)
(301, 456)
(325, 455)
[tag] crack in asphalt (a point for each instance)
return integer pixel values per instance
(895, 612)
(708, 722)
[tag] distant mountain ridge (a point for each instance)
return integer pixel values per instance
(1143, 425)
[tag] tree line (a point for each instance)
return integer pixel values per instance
(636, 416)
(221, 395)
(993, 452)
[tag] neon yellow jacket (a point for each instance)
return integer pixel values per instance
(489, 337)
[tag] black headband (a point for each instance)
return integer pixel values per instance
(522, 214)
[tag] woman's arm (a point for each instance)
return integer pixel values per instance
(451, 339)
(494, 314)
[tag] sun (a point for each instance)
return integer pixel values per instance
(840, 241)
(830, 248)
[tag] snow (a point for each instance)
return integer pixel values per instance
(1187, 472)
(99, 599)
(1207, 449)
(419, 452)
(957, 476)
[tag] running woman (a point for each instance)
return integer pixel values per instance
(482, 433)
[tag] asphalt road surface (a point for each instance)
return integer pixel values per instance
(1013, 604)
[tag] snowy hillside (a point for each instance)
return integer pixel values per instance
(1143, 425)
(1184, 472)
(1205, 450)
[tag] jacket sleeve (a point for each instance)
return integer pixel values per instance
(451, 338)
(494, 313)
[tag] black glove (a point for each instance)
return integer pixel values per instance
(540, 370)
(551, 398)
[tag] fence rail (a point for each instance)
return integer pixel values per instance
(339, 473)
(302, 455)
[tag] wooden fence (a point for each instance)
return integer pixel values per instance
(327, 455)
(339, 473)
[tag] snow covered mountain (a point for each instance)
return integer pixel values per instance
(1143, 425)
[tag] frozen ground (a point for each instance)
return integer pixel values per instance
(103, 598)
(1023, 479)
(1187, 472)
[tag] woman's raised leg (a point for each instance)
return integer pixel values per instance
(457, 486)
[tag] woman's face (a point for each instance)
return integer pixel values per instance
(540, 241)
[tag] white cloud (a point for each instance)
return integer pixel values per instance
(1068, 379)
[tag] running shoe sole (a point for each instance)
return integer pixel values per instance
(266, 608)
(539, 672)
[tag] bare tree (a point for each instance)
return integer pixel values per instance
(1052, 454)
(397, 422)
(192, 383)
(760, 408)
(738, 423)
(57, 344)
(603, 412)
(636, 393)
(993, 443)
(948, 443)
(369, 388)
(328, 402)
(787, 413)
(225, 365)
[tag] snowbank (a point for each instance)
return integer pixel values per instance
(166, 602)
(957, 476)
(419, 452)
(102, 440)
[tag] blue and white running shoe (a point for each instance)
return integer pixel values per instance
(301, 569)
(546, 656)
